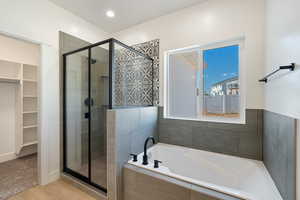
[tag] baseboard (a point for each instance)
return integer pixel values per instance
(7, 157)
(53, 176)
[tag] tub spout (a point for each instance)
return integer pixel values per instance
(145, 157)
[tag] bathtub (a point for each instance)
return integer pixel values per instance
(218, 175)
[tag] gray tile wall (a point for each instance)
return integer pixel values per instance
(244, 140)
(279, 152)
(127, 131)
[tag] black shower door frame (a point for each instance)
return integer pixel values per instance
(111, 43)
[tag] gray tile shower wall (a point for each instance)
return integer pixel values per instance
(243, 140)
(279, 152)
(127, 130)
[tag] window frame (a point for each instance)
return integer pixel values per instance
(200, 98)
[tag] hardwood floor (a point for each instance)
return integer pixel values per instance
(59, 190)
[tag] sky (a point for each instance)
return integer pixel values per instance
(222, 63)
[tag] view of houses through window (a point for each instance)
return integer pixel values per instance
(203, 83)
(221, 81)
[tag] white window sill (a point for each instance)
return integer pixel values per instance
(211, 119)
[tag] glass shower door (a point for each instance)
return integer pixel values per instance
(86, 100)
(97, 78)
(76, 113)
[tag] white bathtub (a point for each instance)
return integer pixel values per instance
(237, 177)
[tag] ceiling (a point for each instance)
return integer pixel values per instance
(127, 12)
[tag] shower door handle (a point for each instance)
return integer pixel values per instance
(87, 115)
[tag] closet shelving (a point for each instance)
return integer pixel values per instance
(29, 108)
(9, 72)
(9, 80)
(26, 80)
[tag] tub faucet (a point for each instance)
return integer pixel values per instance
(145, 157)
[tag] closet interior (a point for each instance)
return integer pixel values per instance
(19, 115)
(24, 77)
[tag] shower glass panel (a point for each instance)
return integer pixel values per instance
(76, 83)
(100, 99)
(102, 76)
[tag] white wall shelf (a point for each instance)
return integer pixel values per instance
(30, 112)
(29, 96)
(29, 88)
(31, 126)
(10, 70)
(29, 72)
(9, 80)
(30, 143)
(30, 80)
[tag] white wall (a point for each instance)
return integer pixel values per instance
(49, 115)
(283, 47)
(40, 21)
(20, 52)
(206, 23)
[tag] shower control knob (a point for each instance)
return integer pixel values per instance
(156, 163)
(134, 157)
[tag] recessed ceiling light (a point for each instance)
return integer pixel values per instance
(110, 14)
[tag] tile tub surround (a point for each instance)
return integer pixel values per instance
(279, 152)
(140, 185)
(243, 140)
(127, 130)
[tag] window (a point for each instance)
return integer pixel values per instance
(205, 83)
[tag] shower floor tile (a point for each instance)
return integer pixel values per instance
(18, 175)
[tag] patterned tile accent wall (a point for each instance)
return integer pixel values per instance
(133, 76)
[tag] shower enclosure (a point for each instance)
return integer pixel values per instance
(102, 76)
